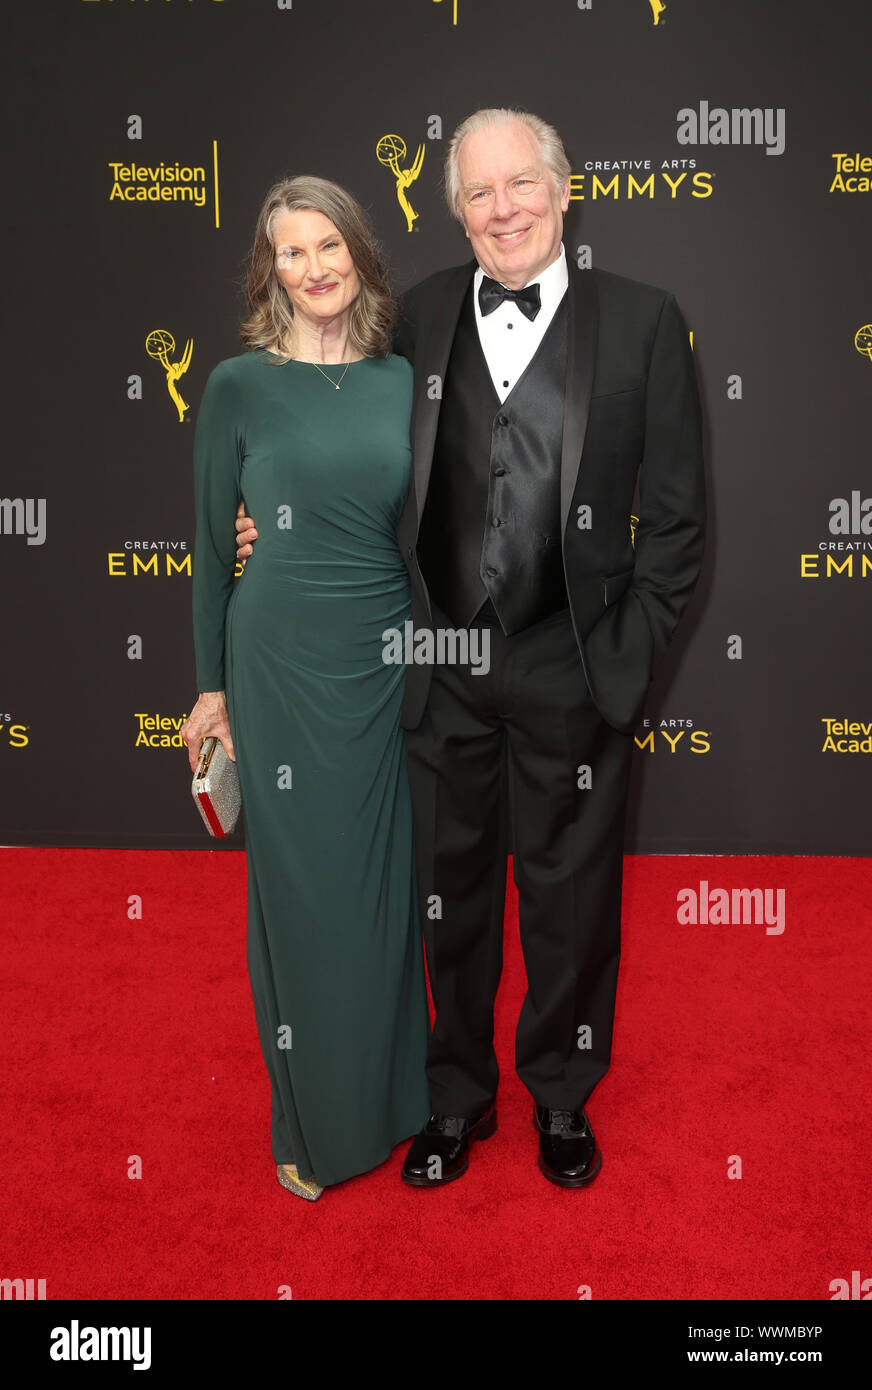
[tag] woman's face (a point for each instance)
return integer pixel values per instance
(315, 266)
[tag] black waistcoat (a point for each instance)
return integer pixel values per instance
(491, 522)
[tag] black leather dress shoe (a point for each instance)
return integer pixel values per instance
(568, 1152)
(440, 1153)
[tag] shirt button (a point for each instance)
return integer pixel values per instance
(505, 383)
(510, 325)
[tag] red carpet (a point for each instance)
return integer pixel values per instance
(137, 1037)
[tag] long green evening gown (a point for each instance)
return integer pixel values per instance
(334, 950)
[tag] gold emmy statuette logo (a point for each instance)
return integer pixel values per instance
(634, 522)
(657, 8)
(159, 344)
(389, 151)
(454, 15)
(863, 341)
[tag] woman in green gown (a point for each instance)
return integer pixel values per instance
(310, 426)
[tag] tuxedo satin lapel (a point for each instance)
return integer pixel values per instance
(435, 336)
(580, 364)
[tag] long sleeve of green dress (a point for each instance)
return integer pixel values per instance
(218, 449)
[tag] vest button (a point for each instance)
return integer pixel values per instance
(491, 572)
(499, 472)
(497, 521)
(502, 419)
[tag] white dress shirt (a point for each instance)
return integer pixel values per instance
(508, 338)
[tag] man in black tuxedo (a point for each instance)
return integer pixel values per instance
(543, 394)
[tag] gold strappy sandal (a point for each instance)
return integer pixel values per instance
(304, 1187)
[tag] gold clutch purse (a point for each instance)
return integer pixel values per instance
(215, 789)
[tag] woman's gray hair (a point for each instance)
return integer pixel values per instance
(270, 323)
(550, 145)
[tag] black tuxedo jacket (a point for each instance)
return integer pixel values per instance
(631, 411)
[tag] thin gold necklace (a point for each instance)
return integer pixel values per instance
(335, 384)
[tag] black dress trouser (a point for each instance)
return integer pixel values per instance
(532, 712)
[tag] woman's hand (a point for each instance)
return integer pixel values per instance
(246, 533)
(208, 719)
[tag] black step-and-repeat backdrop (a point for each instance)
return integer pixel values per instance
(723, 151)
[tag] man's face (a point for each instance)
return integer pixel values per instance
(511, 210)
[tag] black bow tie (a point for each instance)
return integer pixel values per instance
(491, 294)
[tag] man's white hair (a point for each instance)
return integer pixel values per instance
(550, 147)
